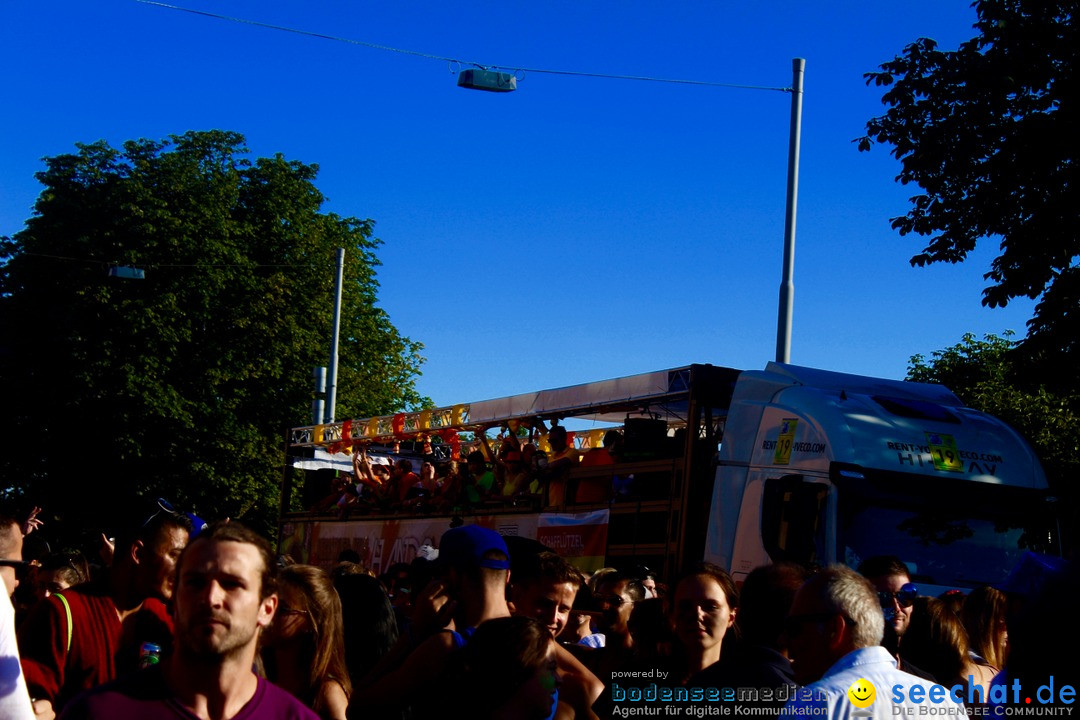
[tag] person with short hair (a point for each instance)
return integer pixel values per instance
(616, 595)
(834, 633)
(90, 634)
(60, 571)
(14, 698)
(544, 588)
(889, 575)
(481, 480)
(11, 553)
(564, 457)
(896, 593)
(475, 570)
(579, 629)
(226, 596)
(404, 480)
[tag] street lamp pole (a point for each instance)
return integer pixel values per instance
(787, 285)
(331, 389)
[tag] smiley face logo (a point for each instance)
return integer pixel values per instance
(861, 693)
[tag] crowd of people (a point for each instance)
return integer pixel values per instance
(180, 619)
(515, 473)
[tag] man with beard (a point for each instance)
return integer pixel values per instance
(225, 596)
(897, 594)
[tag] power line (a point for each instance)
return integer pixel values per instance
(429, 56)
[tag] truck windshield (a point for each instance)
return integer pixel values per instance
(965, 536)
(950, 550)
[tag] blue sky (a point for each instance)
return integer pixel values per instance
(577, 229)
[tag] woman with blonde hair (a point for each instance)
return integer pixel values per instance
(983, 615)
(304, 648)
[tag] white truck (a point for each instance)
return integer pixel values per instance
(738, 468)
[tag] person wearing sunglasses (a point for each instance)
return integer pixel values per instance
(892, 581)
(896, 594)
(834, 631)
(616, 595)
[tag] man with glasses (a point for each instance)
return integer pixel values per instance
(891, 579)
(896, 594)
(90, 634)
(615, 598)
(834, 632)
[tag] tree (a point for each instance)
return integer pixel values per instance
(181, 385)
(991, 375)
(988, 132)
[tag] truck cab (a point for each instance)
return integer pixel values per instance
(819, 467)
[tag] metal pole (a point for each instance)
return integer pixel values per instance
(331, 389)
(787, 285)
(318, 403)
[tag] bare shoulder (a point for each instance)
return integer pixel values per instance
(332, 701)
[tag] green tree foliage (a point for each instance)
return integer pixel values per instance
(992, 375)
(181, 385)
(989, 134)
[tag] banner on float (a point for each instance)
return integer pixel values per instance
(581, 538)
(382, 543)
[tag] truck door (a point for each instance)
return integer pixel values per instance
(793, 520)
(784, 518)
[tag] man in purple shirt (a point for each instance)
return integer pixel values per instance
(225, 596)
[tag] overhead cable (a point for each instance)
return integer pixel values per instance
(485, 66)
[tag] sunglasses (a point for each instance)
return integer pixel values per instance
(21, 567)
(163, 507)
(904, 597)
(612, 600)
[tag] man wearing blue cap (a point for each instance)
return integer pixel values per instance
(475, 569)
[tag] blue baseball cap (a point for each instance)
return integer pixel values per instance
(466, 546)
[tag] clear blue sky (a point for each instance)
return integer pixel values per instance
(577, 229)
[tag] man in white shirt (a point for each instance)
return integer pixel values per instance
(14, 699)
(834, 634)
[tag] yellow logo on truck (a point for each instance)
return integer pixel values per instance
(782, 455)
(944, 452)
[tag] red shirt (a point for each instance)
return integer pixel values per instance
(101, 649)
